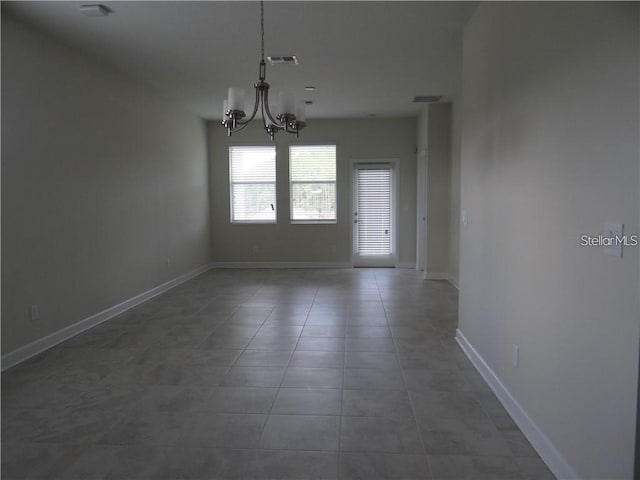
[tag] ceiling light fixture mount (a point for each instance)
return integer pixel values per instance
(291, 116)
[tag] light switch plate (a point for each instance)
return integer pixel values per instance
(612, 239)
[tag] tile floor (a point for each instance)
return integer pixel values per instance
(266, 374)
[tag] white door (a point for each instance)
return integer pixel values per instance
(373, 215)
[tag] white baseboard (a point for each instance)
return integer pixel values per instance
(436, 276)
(441, 276)
(540, 442)
(280, 265)
(407, 265)
(411, 265)
(27, 351)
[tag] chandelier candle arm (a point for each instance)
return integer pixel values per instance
(267, 110)
(291, 117)
(255, 108)
(300, 112)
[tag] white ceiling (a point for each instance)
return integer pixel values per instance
(364, 57)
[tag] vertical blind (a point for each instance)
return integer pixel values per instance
(252, 172)
(374, 210)
(312, 172)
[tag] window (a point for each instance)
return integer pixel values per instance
(312, 171)
(252, 172)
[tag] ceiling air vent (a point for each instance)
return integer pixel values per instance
(427, 98)
(95, 10)
(283, 60)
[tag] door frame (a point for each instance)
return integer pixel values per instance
(421, 210)
(395, 182)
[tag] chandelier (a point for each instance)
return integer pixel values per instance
(290, 118)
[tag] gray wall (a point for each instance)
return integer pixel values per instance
(454, 196)
(549, 153)
(286, 243)
(102, 182)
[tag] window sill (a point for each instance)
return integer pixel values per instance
(253, 222)
(314, 222)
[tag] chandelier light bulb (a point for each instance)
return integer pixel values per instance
(236, 99)
(287, 103)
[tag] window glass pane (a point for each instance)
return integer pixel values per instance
(312, 170)
(252, 172)
(253, 164)
(313, 201)
(313, 162)
(254, 202)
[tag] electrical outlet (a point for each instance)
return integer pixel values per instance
(255, 249)
(168, 264)
(34, 313)
(516, 355)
